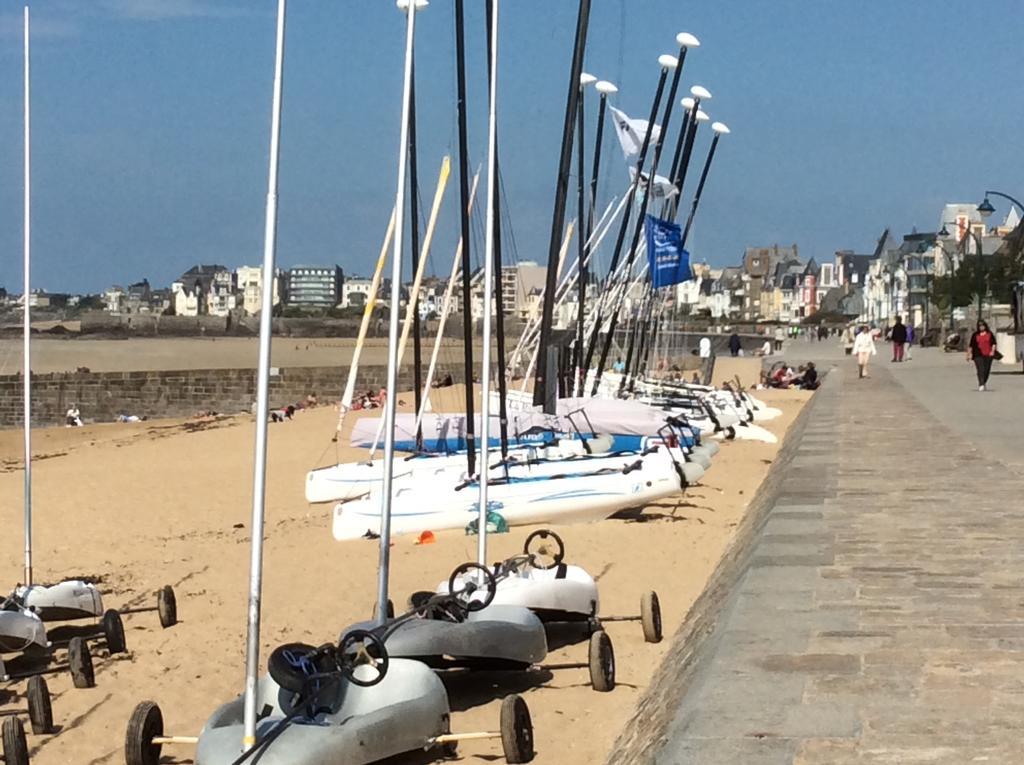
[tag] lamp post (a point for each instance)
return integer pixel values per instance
(949, 258)
(979, 285)
(986, 208)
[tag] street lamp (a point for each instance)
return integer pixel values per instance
(986, 208)
(944, 233)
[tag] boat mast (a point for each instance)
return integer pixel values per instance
(467, 286)
(540, 385)
(414, 245)
(489, 274)
(499, 298)
(384, 565)
(252, 647)
(584, 215)
(27, 330)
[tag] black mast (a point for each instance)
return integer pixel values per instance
(414, 243)
(467, 301)
(561, 190)
(499, 303)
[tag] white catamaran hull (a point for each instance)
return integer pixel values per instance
(573, 498)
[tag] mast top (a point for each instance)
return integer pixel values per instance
(721, 128)
(702, 116)
(668, 62)
(699, 91)
(605, 88)
(688, 103)
(686, 40)
(586, 79)
(403, 5)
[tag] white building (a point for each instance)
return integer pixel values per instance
(250, 284)
(355, 291)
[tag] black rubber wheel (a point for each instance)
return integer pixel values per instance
(359, 648)
(516, 730)
(650, 617)
(544, 535)
(80, 663)
(146, 722)
(593, 625)
(113, 631)
(289, 665)
(15, 748)
(464, 597)
(450, 750)
(391, 610)
(167, 606)
(602, 662)
(40, 712)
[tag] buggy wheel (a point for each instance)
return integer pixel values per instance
(40, 712)
(602, 662)
(516, 730)
(650, 616)
(80, 662)
(391, 610)
(593, 625)
(15, 749)
(113, 631)
(167, 606)
(146, 722)
(449, 750)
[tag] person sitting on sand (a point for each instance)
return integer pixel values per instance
(809, 379)
(280, 415)
(73, 418)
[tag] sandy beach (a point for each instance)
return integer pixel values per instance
(168, 502)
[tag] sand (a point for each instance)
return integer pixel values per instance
(168, 502)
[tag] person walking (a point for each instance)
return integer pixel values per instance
(898, 335)
(848, 341)
(982, 351)
(863, 349)
(735, 344)
(910, 342)
(780, 337)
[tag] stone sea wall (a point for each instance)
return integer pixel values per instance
(102, 396)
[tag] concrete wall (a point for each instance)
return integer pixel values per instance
(101, 396)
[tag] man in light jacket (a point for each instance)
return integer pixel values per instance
(863, 349)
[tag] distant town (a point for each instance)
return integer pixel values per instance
(927, 277)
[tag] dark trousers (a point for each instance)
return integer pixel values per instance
(983, 364)
(897, 351)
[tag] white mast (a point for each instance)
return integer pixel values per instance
(485, 362)
(384, 566)
(27, 332)
(252, 642)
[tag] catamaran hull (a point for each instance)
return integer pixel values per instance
(572, 499)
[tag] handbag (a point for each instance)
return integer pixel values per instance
(997, 355)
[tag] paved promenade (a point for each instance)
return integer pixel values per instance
(880, 615)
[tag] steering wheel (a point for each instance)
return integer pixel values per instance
(480, 580)
(544, 554)
(362, 648)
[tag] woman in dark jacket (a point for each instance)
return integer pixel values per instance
(982, 351)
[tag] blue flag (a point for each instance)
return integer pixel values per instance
(669, 262)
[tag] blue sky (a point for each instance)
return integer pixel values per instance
(151, 123)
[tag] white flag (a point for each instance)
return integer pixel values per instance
(663, 187)
(631, 132)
